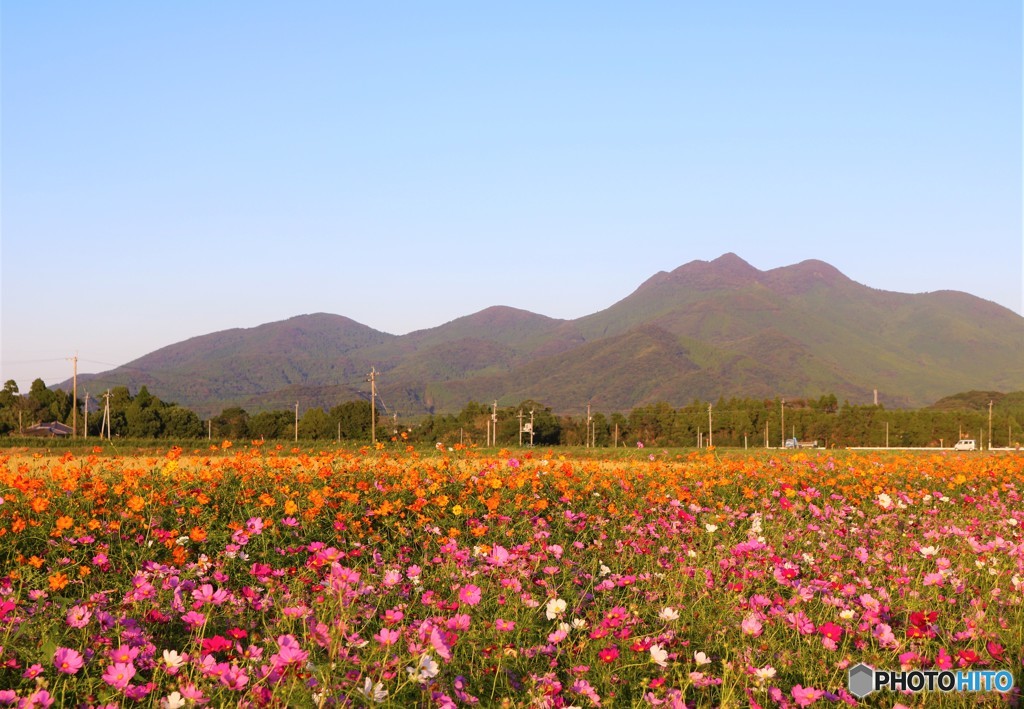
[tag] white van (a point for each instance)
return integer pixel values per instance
(966, 444)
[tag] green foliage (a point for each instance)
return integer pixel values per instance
(354, 419)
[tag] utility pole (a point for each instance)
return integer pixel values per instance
(886, 434)
(106, 415)
(494, 423)
(85, 415)
(616, 441)
(531, 428)
(711, 440)
(990, 425)
(520, 428)
(589, 419)
(373, 405)
(74, 396)
(782, 408)
(296, 422)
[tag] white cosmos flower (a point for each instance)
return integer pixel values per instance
(701, 659)
(376, 692)
(928, 551)
(659, 655)
(173, 659)
(668, 614)
(174, 700)
(425, 669)
(555, 608)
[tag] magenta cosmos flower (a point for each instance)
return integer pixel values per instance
(67, 660)
(119, 674)
(470, 594)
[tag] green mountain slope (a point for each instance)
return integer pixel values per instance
(707, 330)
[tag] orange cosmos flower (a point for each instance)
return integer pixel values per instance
(58, 581)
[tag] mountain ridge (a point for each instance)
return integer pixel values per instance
(707, 329)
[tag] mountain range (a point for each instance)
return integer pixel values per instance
(706, 330)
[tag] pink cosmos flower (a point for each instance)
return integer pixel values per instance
(934, 579)
(557, 636)
(470, 594)
(190, 691)
(499, 555)
(504, 625)
(752, 626)
(582, 687)
(78, 616)
(194, 619)
(459, 621)
(289, 652)
(39, 698)
(805, 696)
(123, 654)
(234, 678)
(67, 661)
(206, 594)
(387, 636)
(119, 674)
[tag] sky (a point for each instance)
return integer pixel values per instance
(169, 170)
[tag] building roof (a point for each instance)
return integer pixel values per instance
(53, 428)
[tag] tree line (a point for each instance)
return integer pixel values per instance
(735, 422)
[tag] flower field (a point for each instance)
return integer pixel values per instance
(267, 577)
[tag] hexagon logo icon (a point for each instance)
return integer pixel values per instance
(861, 680)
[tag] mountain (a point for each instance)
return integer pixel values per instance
(706, 330)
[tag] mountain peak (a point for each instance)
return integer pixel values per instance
(726, 271)
(803, 276)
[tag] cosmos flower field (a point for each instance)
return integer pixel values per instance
(250, 575)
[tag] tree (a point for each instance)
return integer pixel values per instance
(354, 417)
(232, 424)
(315, 425)
(39, 400)
(179, 422)
(272, 424)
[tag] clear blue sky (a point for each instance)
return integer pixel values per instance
(173, 169)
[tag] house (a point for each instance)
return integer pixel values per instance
(54, 429)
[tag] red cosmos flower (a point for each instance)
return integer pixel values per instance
(215, 644)
(922, 619)
(609, 654)
(966, 657)
(921, 624)
(831, 631)
(995, 650)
